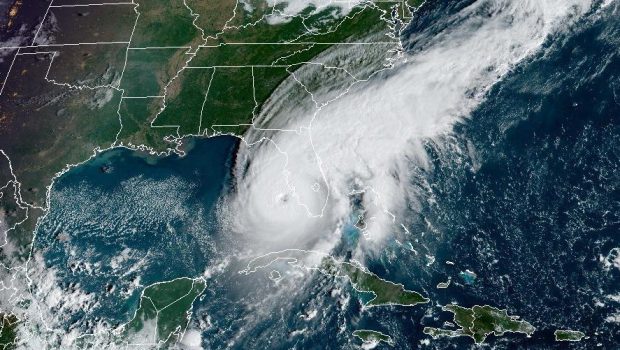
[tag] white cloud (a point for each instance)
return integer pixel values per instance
(613, 318)
(291, 8)
(192, 340)
(295, 190)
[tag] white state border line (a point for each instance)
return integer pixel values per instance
(61, 45)
(178, 48)
(51, 5)
(140, 97)
(200, 46)
(303, 43)
(244, 66)
(87, 5)
(161, 48)
(42, 21)
(8, 72)
(116, 144)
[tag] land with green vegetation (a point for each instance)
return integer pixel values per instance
(58, 106)
(167, 306)
(188, 68)
(568, 335)
(479, 322)
(231, 64)
(194, 73)
(208, 72)
(44, 127)
(11, 212)
(246, 63)
(8, 332)
(384, 292)
(369, 336)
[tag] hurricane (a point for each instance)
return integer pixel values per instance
(303, 161)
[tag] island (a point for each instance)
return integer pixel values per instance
(568, 335)
(444, 285)
(373, 337)
(384, 292)
(479, 322)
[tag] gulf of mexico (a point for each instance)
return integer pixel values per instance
(124, 220)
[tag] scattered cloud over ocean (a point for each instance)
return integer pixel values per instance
(294, 186)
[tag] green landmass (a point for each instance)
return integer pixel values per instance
(384, 292)
(213, 14)
(164, 23)
(185, 102)
(479, 322)
(369, 336)
(230, 100)
(235, 61)
(568, 335)
(148, 71)
(443, 333)
(44, 127)
(8, 332)
(251, 61)
(47, 124)
(57, 109)
(166, 305)
(138, 115)
(11, 212)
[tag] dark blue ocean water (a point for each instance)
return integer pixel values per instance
(157, 213)
(527, 198)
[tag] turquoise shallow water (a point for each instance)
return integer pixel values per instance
(528, 200)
